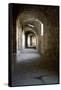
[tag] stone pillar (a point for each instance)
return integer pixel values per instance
(41, 40)
(18, 36)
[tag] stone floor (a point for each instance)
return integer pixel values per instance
(27, 55)
(28, 70)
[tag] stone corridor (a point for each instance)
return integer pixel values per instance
(34, 44)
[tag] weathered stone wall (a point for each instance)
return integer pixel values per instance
(18, 36)
(48, 43)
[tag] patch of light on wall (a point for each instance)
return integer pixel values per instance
(41, 29)
(30, 25)
(28, 40)
(34, 41)
(23, 40)
(41, 25)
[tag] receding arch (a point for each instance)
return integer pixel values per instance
(30, 32)
(37, 25)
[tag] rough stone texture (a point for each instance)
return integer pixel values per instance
(47, 45)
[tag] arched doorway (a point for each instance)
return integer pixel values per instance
(29, 39)
(30, 34)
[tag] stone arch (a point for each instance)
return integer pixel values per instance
(34, 33)
(37, 21)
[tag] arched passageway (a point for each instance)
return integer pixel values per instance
(35, 33)
(29, 39)
(28, 35)
(30, 32)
